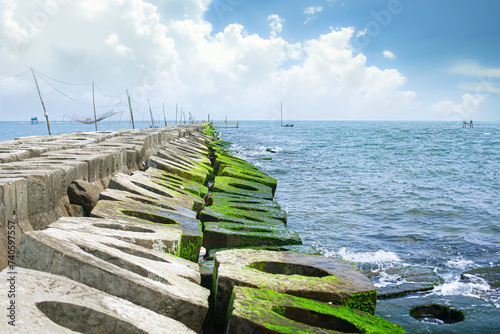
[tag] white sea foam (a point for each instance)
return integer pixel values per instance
(461, 264)
(474, 288)
(380, 258)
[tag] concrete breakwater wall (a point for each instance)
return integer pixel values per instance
(190, 241)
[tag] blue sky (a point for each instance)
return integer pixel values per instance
(325, 59)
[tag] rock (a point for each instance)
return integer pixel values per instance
(83, 193)
(404, 280)
(309, 276)
(490, 274)
(49, 303)
(148, 278)
(265, 311)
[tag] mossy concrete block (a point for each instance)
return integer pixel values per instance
(404, 280)
(190, 236)
(241, 187)
(176, 189)
(187, 185)
(230, 235)
(490, 275)
(149, 189)
(145, 277)
(302, 249)
(152, 236)
(310, 276)
(125, 196)
(173, 153)
(266, 311)
(224, 160)
(50, 303)
(188, 171)
(220, 212)
(238, 200)
(249, 175)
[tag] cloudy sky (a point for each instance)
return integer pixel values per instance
(325, 59)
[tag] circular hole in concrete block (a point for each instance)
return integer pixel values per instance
(242, 186)
(124, 228)
(436, 314)
(249, 229)
(85, 320)
(149, 217)
(316, 319)
(282, 268)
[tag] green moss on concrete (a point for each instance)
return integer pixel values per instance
(490, 274)
(241, 187)
(249, 175)
(189, 247)
(269, 309)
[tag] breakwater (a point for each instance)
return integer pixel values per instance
(182, 237)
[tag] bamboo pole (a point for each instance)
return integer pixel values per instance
(41, 100)
(130, 107)
(164, 117)
(151, 114)
(93, 101)
(176, 114)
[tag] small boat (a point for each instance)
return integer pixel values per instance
(34, 120)
(284, 125)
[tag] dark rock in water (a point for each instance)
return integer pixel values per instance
(405, 280)
(83, 193)
(479, 316)
(490, 274)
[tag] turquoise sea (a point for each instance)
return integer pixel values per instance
(382, 195)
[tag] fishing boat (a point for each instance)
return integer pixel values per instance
(288, 125)
(34, 120)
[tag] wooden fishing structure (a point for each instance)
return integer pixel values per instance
(288, 125)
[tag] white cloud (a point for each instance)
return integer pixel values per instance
(463, 110)
(388, 54)
(311, 11)
(472, 68)
(276, 24)
(169, 54)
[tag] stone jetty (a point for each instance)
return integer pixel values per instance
(161, 231)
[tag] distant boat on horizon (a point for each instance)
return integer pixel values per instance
(34, 121)
(286, 125)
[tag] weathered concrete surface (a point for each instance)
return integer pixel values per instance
(153, 191)
(230, 235)
(242, 214)
(309, 276)
(266, 311)
(241, 187)
(152, 236)
(490, 275)
(145, 277)
(125, 196)
(190, 230)
(188, 171)
(249, 175)
(48, 303)
(13, 216)
(178, 182)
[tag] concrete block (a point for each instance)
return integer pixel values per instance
(13, 216)
(189, 229)
(142, 276)
(48, 303)
(308, 276)
(188, 171)
(249, 175)
(125, 196)
(240, 187)
(192, 187)
(230, 235)
(266, 311)
(152, 236)
(153, 191)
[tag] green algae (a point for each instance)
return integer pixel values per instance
(249, 175)
(270, 309)
(241, 187)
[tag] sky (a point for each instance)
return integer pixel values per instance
(422, 60)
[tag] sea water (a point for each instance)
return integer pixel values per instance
(380, 195)
(392, 194)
